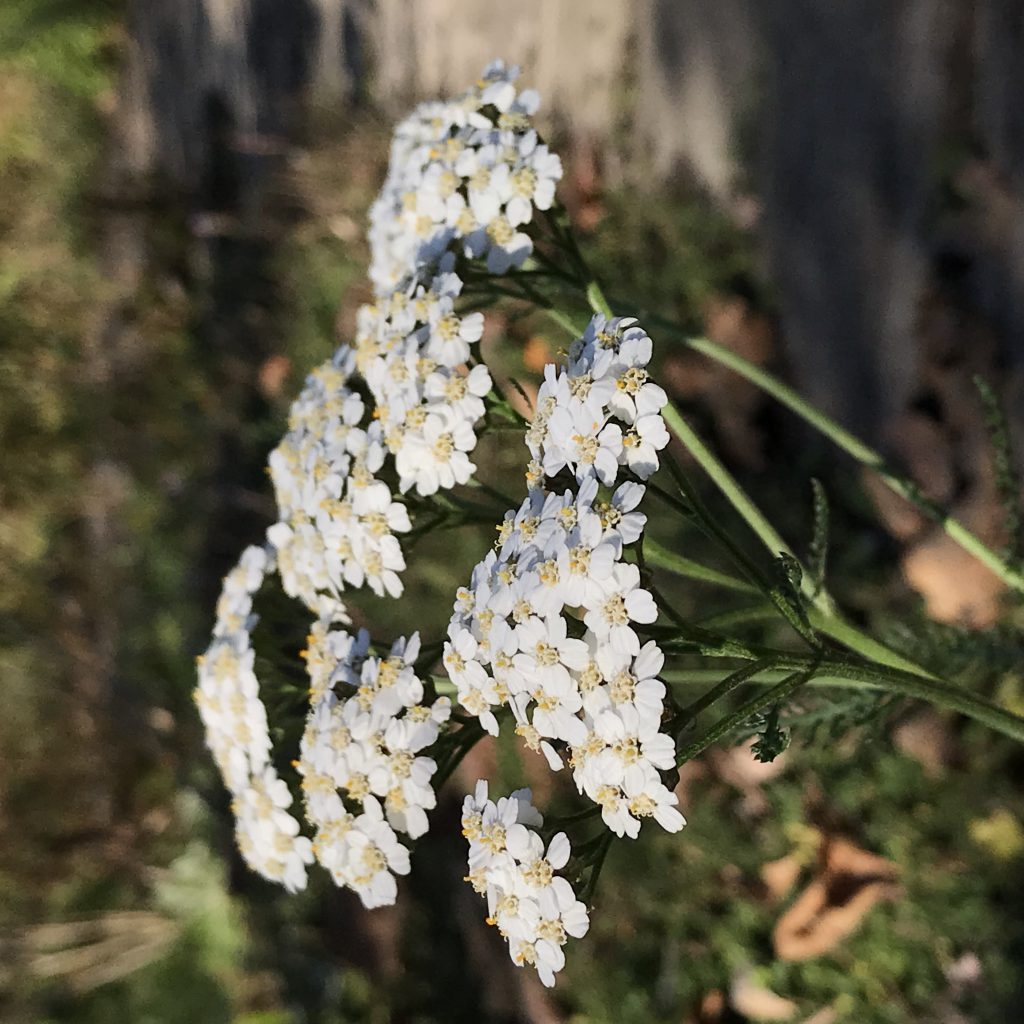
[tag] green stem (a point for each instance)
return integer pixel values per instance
(603, 846)
(704, 676)
(853, 675)
(864, 454)
(835, 626)
(726, 482)
(444, 686)
(598, 303)
(565, 322)
(935, 691)
(821, 612)
(658, 554)
(764, 612)
(894, 672)
(745, 712)
(826, 620)
(726, 686)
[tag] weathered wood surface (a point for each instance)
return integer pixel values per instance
(850, 110)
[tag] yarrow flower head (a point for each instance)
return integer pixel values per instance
(237, 733)
(338, 521)
(588, 694)
(550, 631)
(533, 907)
(365, 777)
(464, 176)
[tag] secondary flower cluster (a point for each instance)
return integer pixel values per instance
(412, 349)
(551, 623)
(235, 719)
(337, 520)
(534, 909)
(464, 175)
(364, 776)
(559, 558)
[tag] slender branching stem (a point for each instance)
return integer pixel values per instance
(724, 726)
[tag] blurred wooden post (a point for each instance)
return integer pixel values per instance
(845, 109)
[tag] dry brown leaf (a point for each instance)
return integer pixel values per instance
(273, 374)
(956, 587)
(926, 738)
(850, 882)
(738, 766)
(779, 876)
(712, 1006)
(757, 1002)
(898, 516)
(925, 446)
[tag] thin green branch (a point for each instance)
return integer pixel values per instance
(857, 675)
(767, 677)
(863, 453)
(723, 688)
(725, 482)
(822, 614)
(658, 554)
(746, 711)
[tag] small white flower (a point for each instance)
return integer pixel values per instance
(641, 444)
(581, 438)
(622, 603)
(533, 907)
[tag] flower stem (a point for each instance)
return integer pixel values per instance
(565, 322)
(746, 711)
(856, 675)
(855, 447)
(704, 676)
(657, 554)
(725, 482)
(821, 611)
(892, 671)
(726, 686)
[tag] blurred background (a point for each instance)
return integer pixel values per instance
(836, 191)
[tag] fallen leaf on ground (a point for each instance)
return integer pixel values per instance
(741, 769)
(273, 374)
(955, 586)
(757, 1002)
(849, 883)
(926, 738)
(779, 876)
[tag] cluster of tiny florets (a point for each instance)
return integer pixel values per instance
(465, 175)
(394, 411)
(548, 624)
(337, 520)
(237, 733)
(364, 775)
(549, 630)
(534, 909)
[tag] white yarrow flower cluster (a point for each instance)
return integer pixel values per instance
(602, 412)
(337, 519)
(412, 348)
(595, 696)
(365, 777)
(465, 175)
(534, 909)
(237, 734)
